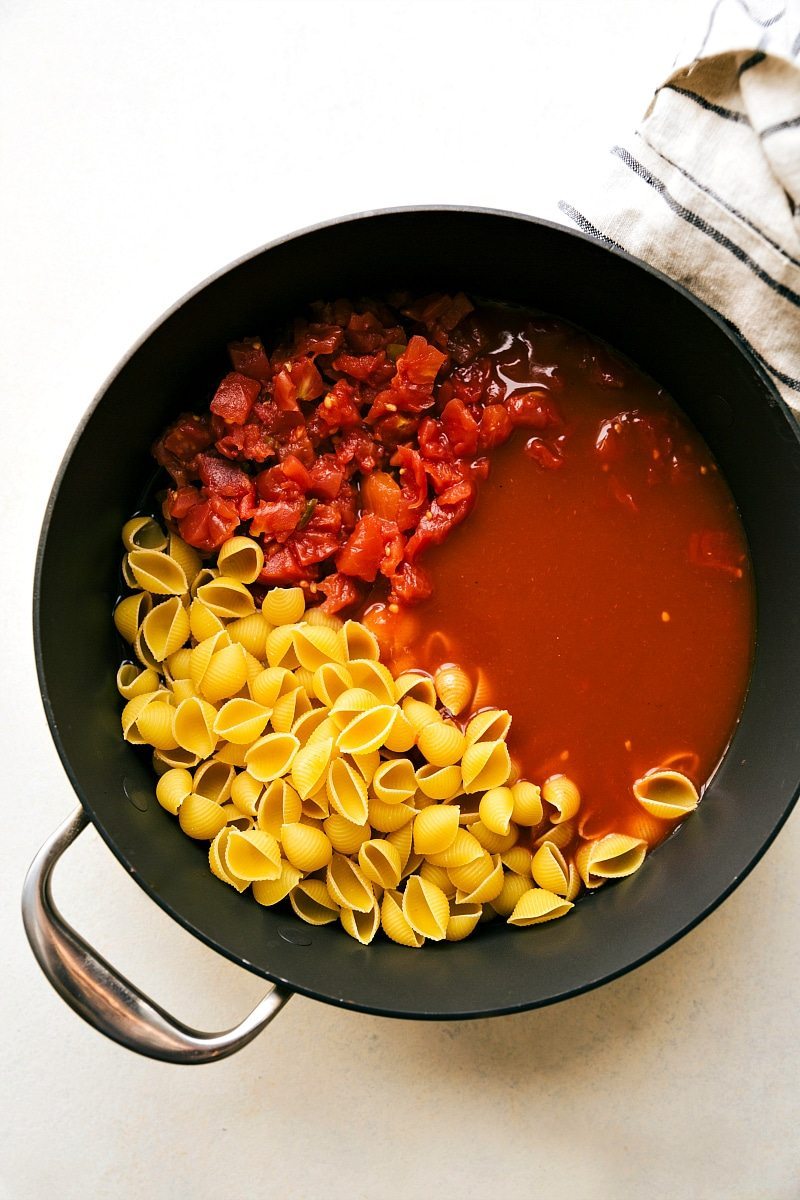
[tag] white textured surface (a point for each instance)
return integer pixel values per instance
(143, 146)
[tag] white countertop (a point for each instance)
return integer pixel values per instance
(144, 145)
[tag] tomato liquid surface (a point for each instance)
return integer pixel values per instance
(601, 589)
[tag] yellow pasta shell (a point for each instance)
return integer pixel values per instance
(251, 632)
(550, 870)
(178, 664)
(156, 572)
(280, 647)
(204, 575)
(246, 791)
(518, 859)
(611, 857)
(226, 598)
(203, 623)
(439, 876)
(172, 789)
(346, 790)
(426, 908)
(439, 783)
(135, 680)
(366, 764)
(272, 891)
(306, 848)
(402, 840)
(416, 684)
(367, 730)
(528, 808)
(374, 676)
(213, 780)
(317, 806)
(278, 805)
(155, 725)
(513, 889)
(467, 877)
(495, 843)
(668, 795)
(241, 721)
(240, 558)
(201, 818)
(485, 765)
(131, 713)
(402, 735)
(575, 883)
(495, 810)
(143, 652)
(441, 743)
(560, 835)
(316, 644)
(284, 606)
(463, 920)
(351, 703)
(453, 687)
(165, 760)
(202, 654)
(387, 818)
(230, 753)
(380, 862)
(462, 850)
(360, 642)
(312, 903)
(216, 861)
(185, 556)
(143, 533)
(271, 684)
(287, 709)
(491, 725)
(488, 889)
(271, 756)
(538, 905)
(226, 674)
(564, 796)
(317, 616)
(436, 828)
(394, 923)
(310, 767)
(129, 614)
(307, 723)
(419, 714)
(344, 835)
(330, 681)
(348, 885)
(253, 855)
(324, 731)
(394, 781)
(361, 925)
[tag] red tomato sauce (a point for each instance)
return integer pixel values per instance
(601, 588)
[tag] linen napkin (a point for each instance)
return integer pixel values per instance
(707, 190)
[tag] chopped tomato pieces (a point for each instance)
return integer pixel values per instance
(235, 397)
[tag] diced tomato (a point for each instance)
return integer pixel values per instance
(176, 449)
(249, 357)
(381, 495)
(325, 477)
(358, 448)
(284, 391)
(280, 566)
(433, 440)
(546, 455)
(460, 427)
(222, 477)
(306, 379)
(411, 584)
(235, 397)
(365, 334)
(413, 480)
(316, 339)
(363, 551)
(179, 502)
(374, 369)
(391, 430)
(313, 546)
(495, 427)
(339, 409)
(277, 518)
(296, 472)
(420, 362)
(535, 409)
(341, 591)
(209, 523)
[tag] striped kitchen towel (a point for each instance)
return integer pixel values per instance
(708, 188)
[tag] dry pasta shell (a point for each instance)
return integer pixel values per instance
(374, 676)
(317, 616)
(495, 810)
(172, 789)
(462, 850)
(306, 848)
(201, 818)
(165, 760)
(165, 628)
(346, 791)
(563, 794)
(416, 684)
(193, 726)
(305, 679)
(441, 743)
(330, 681)
(464, 918)
(518, 859)
(351, 703)
(538, 905)
(467, 877)
(312, 903)
(436, 828)
(426, 908)
(131, 713)
(156, 572)
(366, 764)
(402, 735)
(272, 683)
(280, 647)
(317, 806)
(278, 805)
(253, 855)
(394, 923)
(185, 556)
(203, 623)
(204, 575)
(226, 674)
(284, 606)
(306, 725)
(316, 644)
(485, 765)
(251, 632)
(240, 558)
(143, 533)
(288, 708)
(156, 725)
(439, 783)
(402, 840)
(528, 808)
(216, 861)
(202, 654)
(181, 689)
(491, 725)
(361, 925)
(453, 687)
(614, 856)
(360, 642)
(575, 883)
(325, 731)
(230, 753)
(348, 885)
(550, 870)
(135, 680)
(387, 818)
(367, 731)
(310, 767)
(144, 653)
(488, 889)
(419, 714)
(668, 795)
(241, 721)
(560, 835)
(271, 756)
(394, 781)
(495, 843)
(439, 876)
(513, 889)
(246, 791)
(272, 891)
(226, 598)
(344, 835)
(380, 862)
(129, 614)
(179, 663)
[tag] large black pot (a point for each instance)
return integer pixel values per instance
(668, 334)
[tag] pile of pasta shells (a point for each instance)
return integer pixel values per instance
(321, 778)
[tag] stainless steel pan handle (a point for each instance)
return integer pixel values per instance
(102, 996)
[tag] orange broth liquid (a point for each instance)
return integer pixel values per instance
(607, 603)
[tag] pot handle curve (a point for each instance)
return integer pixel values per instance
(103, 997)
